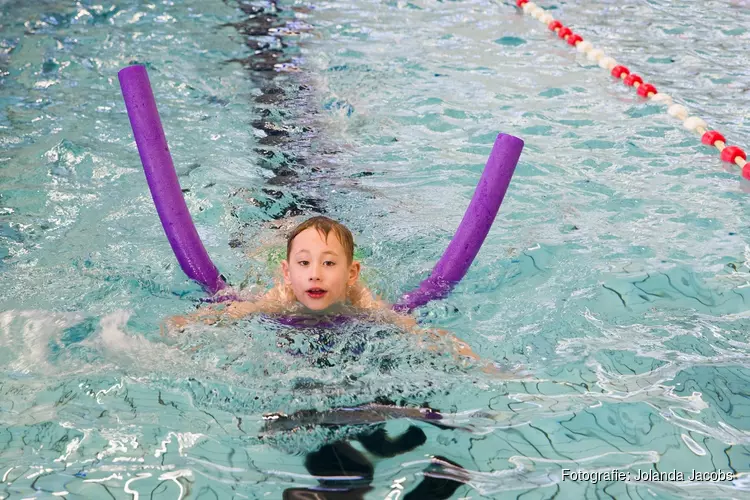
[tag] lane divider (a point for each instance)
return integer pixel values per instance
(730, 154)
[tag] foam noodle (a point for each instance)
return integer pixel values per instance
(192, 256)
(162, 180)
(474, 227)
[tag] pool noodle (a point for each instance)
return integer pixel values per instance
(162, 180)
(192, 256)
(474, 227)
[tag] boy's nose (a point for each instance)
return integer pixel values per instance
(314, 272)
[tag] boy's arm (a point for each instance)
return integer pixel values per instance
(360, 296)
(209, 315)
(459, 346)
(409, 323)
(268, 303)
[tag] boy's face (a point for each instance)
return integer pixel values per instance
(318, 271)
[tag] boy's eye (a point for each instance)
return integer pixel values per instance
(329, 263)
(303, 262)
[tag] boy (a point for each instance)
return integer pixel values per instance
(320, 275)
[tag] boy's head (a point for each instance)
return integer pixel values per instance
(319, 263)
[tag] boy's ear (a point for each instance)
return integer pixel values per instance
(354, 270)
(285, 270)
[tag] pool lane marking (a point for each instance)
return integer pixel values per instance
(730, 154)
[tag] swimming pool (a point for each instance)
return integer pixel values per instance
(617, 271)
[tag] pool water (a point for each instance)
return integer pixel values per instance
(617, 274)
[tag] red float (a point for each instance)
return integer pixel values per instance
(631, 79)
(730, 153)
(644, 89)
(711, 137)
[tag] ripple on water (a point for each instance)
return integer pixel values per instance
(617, 272)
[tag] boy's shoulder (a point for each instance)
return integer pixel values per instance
(359, 296)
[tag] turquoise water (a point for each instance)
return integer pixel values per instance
(618, 271)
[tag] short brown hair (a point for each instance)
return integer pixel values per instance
(325, 226)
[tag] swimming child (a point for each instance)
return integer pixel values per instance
(320, 276)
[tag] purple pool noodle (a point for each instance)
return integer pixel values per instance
(162, 180)
(474, 227)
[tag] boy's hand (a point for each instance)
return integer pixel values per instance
(437, 338)
(179, 322)
(238, 310)
(459, 346)
(209, 316)
(463, 349)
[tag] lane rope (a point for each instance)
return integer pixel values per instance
(730, 154)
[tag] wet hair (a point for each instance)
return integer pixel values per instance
(325, 226)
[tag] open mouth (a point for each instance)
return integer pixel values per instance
(316, 293)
